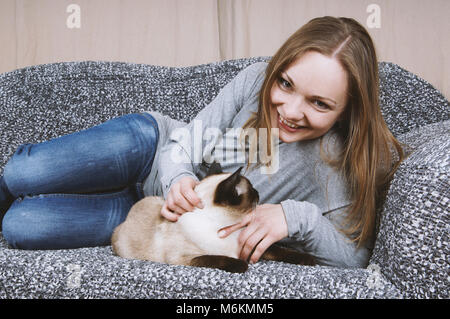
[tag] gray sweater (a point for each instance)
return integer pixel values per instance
(313, 195)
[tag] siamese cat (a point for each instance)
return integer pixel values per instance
(193, 239)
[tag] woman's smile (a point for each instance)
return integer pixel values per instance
(287, 125)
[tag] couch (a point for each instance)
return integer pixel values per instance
(411, 254)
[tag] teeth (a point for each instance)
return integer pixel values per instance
(287, 123)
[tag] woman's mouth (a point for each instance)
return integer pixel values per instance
(287, 125)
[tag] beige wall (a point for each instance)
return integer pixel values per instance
(413, 33)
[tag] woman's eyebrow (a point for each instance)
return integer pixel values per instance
(315, 96)
(324, 98)
(290, 80)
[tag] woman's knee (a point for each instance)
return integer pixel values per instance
(18, 170)
(17, 229)
(64, 221)
(27, 225)
(29, 169)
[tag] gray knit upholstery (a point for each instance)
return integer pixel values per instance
(413, 241)
(412, 247)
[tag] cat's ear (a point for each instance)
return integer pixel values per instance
(227, 190)
(235, 175)
(234, 178)
(214, 168)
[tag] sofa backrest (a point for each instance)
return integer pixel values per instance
(45, 101)
(409, 102)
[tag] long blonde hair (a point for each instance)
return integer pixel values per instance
(366, 159)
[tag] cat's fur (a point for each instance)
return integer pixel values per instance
(193, 239)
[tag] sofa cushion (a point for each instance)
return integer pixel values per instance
(97, 273)
(412, 246)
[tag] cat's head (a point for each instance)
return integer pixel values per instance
(231, 190)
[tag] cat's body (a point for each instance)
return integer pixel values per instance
(193, 239)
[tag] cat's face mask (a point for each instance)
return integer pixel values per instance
(235, 191)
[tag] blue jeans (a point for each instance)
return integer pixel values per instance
(74, 190)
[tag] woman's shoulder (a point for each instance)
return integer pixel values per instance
(256, 70)
(253, 73)
(257, 67)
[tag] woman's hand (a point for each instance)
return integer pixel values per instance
(180, 199)
(265, 226)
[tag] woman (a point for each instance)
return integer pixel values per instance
(330, 157)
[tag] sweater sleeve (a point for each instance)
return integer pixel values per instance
(319, 237)
(187, 146)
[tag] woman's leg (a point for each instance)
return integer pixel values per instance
(6, 198)
(63, 221)
(115, 155)
(112, 155)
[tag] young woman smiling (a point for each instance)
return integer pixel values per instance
(321, 86)
(318, 93)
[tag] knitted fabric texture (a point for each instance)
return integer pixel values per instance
(410, 258)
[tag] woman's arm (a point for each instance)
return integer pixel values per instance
(185, 150)
(319, 236)
(301, 226)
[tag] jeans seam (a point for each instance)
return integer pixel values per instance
(149, 164)
(74, 195)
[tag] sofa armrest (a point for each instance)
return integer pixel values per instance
(412, 245)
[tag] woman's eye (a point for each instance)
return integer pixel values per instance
(284, 83)
(320, 104)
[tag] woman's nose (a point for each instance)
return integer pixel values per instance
(294, 110)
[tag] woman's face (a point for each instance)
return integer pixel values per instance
(308, 97)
